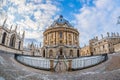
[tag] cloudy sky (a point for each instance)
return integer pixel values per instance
(90, 17)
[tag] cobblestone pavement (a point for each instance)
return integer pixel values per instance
(12, 70)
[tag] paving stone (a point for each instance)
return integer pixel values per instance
(12, 70)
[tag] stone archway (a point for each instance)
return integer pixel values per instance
(71, 53)
(44, 53)
(12, 40)
(61, 51)
(78, 55)
(50, 53)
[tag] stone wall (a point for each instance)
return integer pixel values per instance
(11, 38)
(85, 51)
(104, 45)
(10, 50)
(117, 47)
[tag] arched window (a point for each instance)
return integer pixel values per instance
(50, 53)
(19, 45)
(4, 38)
(12, 40)
(43, 53)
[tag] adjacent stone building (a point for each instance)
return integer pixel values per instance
(61, 39)
(10, 38)
(104, 45)
(33, 50)
(85, 51)
(117, 48)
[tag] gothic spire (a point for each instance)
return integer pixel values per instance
(16, 28)
(4, 22)
(23, 35)
(11, 27)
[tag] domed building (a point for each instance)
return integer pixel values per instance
(61, 39)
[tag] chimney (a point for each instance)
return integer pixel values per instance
(112, 34)
(108, 34)
(117, 34)
(102, 36)
(97, 37)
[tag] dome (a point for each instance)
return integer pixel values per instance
(61, 21)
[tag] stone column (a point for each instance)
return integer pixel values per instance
(72, 38)
(70, 65)
(55, 38)
(51, 65)
(48, 38)
(66, 37)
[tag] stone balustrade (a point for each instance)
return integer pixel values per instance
(61, 64)
(80, 63)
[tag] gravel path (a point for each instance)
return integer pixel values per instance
(12, 70)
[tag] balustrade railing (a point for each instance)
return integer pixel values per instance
(63, 64)
(80, 63)
(35, 62)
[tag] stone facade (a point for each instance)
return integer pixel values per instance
(104, 45)
(85, 51)
(117, 47)
(32, 50)
(10, 38)
(61, 39)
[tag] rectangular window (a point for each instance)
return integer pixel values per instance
(60, 34)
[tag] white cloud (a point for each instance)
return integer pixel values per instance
(18, 2)
(32, 16)
(98, 19)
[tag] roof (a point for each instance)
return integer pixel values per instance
(61, 21)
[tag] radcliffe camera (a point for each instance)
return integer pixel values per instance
(59, 40)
